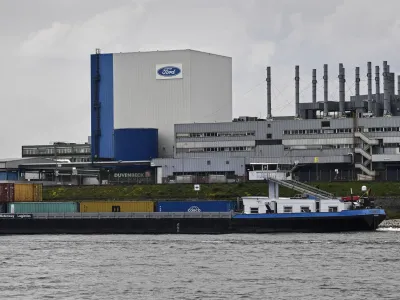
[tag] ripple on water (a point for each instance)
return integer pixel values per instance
(309, 266)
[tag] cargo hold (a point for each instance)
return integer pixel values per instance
(196, 206)
(117, 206)
(42, 207)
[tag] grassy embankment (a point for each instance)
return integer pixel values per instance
(208, 191)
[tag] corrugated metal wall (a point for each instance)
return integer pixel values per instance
(210, 164)
(140, 100)
(136, 144)
(7, 175)
(106, 99)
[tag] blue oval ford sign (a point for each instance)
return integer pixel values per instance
(169, 71)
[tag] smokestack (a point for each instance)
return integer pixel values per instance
(386, 103)
(297, 79)
(269, 115)
(357, 83)
(325, 90)
(398, 86)
(314, 85)
(377, 84)
(369, 75)
(341, 90)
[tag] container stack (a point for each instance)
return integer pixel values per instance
(27, 198)
(13, 192)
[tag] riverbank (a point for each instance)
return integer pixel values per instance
(207, 191)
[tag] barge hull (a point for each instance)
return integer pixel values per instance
(190, 225)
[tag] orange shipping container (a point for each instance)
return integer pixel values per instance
(28, 192)
(116, 206)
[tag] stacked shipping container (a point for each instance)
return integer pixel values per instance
(20, 192)
(196, 206)
(117, 206)
(26, 197)
(42, 207)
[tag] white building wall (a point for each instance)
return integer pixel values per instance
(203, 94)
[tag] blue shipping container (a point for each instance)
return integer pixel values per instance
(196, 206)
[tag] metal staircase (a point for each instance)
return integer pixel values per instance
(303, 188)
(366, 153)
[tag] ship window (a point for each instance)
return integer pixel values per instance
(254, 210)
(287, 209)
(332, 208)
(305, 209)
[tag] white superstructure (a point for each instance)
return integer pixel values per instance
(259, 205)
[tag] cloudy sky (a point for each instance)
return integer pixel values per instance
(46, 44)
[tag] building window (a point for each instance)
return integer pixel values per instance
(287, 209)
(325, 124)
(209, 162)
(332, 209)
(227, 162)
(269, 135)
(254, 210)
(305, 209)
(269, 125)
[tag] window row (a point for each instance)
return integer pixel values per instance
(319, 147)
(215, 149)
(339, 130)
(51, 150)
(215, 134)
(318, 131)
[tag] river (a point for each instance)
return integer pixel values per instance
(271, 266)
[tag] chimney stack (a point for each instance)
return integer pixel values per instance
(398, 85)
(269, 115)
(386, 102)
(357, 83)
(377, 88)
(369, 75)
(297, 79)
(314, 85)
(325, 90)
(341, 90)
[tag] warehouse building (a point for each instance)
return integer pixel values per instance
(138, 97)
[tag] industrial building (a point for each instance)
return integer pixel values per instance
(324, 140)
(166, 117)
(138, 97)
(62, 151)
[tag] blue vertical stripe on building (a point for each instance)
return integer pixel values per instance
(106, 99)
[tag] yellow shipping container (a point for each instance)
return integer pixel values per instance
(117, 206)
(28, 192)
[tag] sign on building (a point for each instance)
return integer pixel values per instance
(169, 71)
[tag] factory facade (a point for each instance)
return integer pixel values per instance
(138, 97)
(166, 116)
(324, 140)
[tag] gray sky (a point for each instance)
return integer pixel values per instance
(46, 44)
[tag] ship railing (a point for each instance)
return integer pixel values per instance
(138, 215)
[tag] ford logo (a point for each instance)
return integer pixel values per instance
(169, 71)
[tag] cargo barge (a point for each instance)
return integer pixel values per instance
(318, 213)
(190, 223)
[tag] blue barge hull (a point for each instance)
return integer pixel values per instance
(190, 223)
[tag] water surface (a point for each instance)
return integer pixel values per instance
(271, 266)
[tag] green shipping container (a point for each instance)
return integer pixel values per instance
(42, 207)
